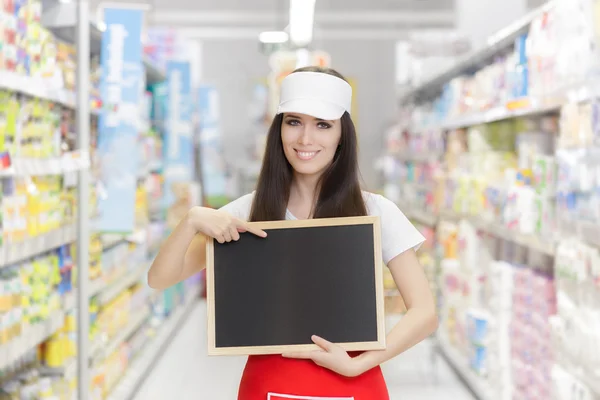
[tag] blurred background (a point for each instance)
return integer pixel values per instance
(480, 119)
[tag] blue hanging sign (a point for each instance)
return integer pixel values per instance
(178, 143)
(214, 178)
(121, 88)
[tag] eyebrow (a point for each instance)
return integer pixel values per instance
(317, 119)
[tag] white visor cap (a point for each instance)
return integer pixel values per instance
(317, 94)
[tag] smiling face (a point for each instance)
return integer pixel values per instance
(309, 143)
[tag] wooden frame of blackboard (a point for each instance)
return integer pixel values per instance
(379, 344)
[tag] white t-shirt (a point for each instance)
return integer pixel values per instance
(397, 232)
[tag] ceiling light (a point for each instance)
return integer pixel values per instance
(302, 14)
(273, 37)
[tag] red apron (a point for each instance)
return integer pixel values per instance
(292, 378)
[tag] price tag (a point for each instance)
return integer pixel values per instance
(495, 113)
(29, 248)
(41, 167)
(70, 179)
(11, 253)
(58, 166)
(19, 167)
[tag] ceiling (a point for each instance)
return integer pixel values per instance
(351, 19)
(271, 5)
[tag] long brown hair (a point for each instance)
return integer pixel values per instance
(339, 191)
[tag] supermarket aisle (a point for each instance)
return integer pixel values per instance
(186, 373)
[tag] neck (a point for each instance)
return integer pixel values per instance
(302, 193)
(304, 187)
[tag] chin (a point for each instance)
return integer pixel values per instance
(307, 169)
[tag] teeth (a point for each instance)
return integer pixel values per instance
(304, 154)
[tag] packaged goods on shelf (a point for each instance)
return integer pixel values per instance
(40, 334)
(31, 291)
(39, 204)
(497, 313)
(576, 327)
(519, 174)
(556, 54)
(578, 186)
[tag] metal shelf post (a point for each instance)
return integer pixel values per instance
(83, 134)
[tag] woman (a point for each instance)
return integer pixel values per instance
(310, 170)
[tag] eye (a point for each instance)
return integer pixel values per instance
(324, 125)
(293, 122)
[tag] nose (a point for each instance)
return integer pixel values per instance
(306, 136)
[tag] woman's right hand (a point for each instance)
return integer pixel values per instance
(220, 225)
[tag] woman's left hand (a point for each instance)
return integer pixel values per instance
(330, 356)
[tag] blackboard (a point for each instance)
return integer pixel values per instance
(307, 277)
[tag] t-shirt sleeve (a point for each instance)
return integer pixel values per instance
(398, 234)
(240, 207)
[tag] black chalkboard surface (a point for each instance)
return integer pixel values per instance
(308, 277)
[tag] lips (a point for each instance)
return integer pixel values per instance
(306, 155)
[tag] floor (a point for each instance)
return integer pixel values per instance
(185, 372)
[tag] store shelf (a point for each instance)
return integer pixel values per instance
(40, 88)
(460, 365)
(141, 367)
(499, 114)
(11, 253)
(103, 348)
(68, 371)
(421, 216)
(69, 301)
(117, 287)
(111, 239)
(525, 107)
(68, 162)
(503, 39)
(61, 19)
(31, 337)
(592, 382)
(36, 87)
(530, 241)
(589, 233)
(107, 290)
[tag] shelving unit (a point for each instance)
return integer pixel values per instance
(103, 348)
(490, 259)
(34, 335)
(532, 242)
(459, 364)
(15, 252)
(108, 292)
(142, 366)
(125, 280)
(502, 40)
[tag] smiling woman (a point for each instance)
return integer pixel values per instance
(310, 170)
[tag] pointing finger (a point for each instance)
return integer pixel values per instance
(251, 229)
(304, 355)
(322, 343)
(234, 234)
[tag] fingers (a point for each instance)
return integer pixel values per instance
(231, 232)
(302, 355)
(322, 343)
(235, 235)
(244, 227)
